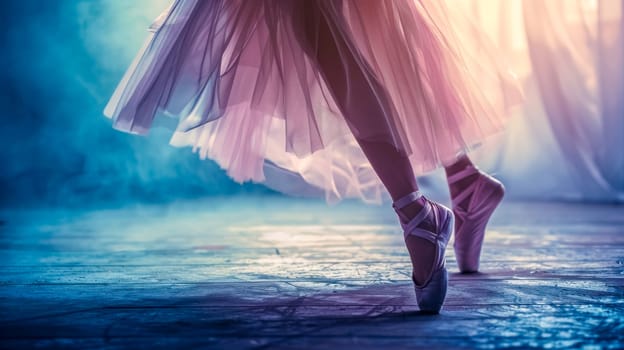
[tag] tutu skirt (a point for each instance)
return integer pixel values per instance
(237, 80)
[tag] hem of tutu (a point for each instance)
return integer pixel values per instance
(334, 195)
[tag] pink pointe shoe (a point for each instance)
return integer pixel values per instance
(430, 295)
(485, 194)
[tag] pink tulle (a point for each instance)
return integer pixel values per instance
(236, 78)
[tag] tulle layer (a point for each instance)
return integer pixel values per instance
(240, 83)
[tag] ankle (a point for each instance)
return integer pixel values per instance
(409, 212)
(412, 209)
(460, 175)
(458, 186)
(460, 164)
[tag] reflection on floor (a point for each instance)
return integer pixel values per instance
(287, 273)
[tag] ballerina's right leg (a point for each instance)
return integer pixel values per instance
(360, 98)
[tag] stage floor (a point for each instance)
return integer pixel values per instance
(284, 273)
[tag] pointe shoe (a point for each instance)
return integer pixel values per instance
(431, 294)
(486, 194)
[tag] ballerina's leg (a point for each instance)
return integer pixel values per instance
(359, 97)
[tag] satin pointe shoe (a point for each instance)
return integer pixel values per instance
(431, 294)
(485, 193)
